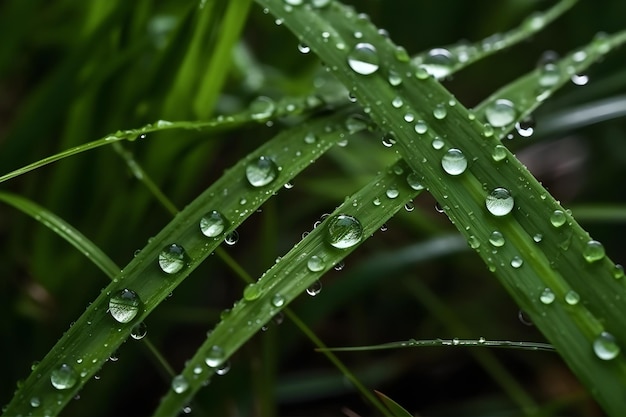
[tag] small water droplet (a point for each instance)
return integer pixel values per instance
(124, 305)
(517, 262)
(605, 346)
(278, 300)
(383, 227)
(388, 140)
(223, 368)
(498, 153)
(572, 297)
(305, 49)
(392, 192)
(344, 231)
(34, 402)
(231, 238)
(496, 238)
(363, 59)
(414, 182)
(454, 162)
(593, 251)
(261, 171)
(421, 127)
(547, 296)
(618, 271)
(397, 102)
(262, 108)
(499, 202)
(215, 357)
(172, 259)
(409, 117)
(439, 62)
(139, 331)
(310, 138)
(251, 292)
(440, 112)
(180, 384)
(315, 264)
(473, 242)
(319, 4)
(63, 377)
(314, 289)
(538, 237)
(500, 113)
(557, 218)
(410, 206)
(579, 79)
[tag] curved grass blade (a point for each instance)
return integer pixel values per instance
(86, 346)
(482, 342)
(565, 264)
(395, 408)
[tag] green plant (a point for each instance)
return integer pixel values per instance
(553, 270)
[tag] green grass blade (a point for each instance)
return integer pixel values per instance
(395, 408)
(482, 342)
(559, 262)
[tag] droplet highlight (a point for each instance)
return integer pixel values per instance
(124, 305)
(344, 231)
(212, 224)
(261, 171)
(499, 202)
(605, 346)
(593, 251)
(63, 377)
(363, 59)
(454, 162)
(172, 259)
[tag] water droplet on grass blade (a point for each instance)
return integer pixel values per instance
(439, 62)
(454, 162)
(363, 59)
(498, 153)
(179, 384)
(557, 218)
(215, 357)
(593, 251)
(547, 296)
(500, 113)
(124, 305)
(605, 346)
(496, 239)
(172, 259)
(314, 289)
(262, 108)
(261, 171)
(517, 262)
(139, 331)
(63, 377)
(572, 297)
(499, 202)
(343, 231)
(278, 300)
(315, 264)
(231, 238)
(212, 224)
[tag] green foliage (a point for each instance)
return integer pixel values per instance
(290, 122)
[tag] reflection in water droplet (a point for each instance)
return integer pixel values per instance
(314, 289)
(618, 271)
(139, 331)
(261, 171)
(124, 305)
(517, 262)
(172, 259)
(593, 251)
(363, 59)
(223, 369)
(414, 182)
(421, 127)
(278, 300)
(63, 377)
(344, 231)
(439, 62)
(500, 113)
(35, 402)
(212, 224)
(499, 202)
(454, 162)
(231, 238)
(392, 193)
(605, 346)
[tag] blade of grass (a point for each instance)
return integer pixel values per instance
(507, 344)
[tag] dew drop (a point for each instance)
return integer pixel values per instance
(498, 153)
(314, 289)
(394, 79)
(180, 384)
(473, 242)
(231, 238)
(593, 251)
(414, 182)
(524, 319)
(517, 262)
(409, 117)
(605, 346)
(557, 218)
(421, 127)
(251, 292)
(410, 206)
(526, 127)
(499, 202)
(223, 368)
(618, 271)
(454, 162)
(315, 264)
(124, 305)
(212, 224)
(172, 259)
(572, 297)
(63, 377)
(262, 108)
(392, 193)
(496, 238)
(278, 300)
(261, 171)
(397, 102)
(344, 231)
(34, 402)
(500, 113)
(538, 237)
(139, 331)
(363, 59)
(215, 357)
(440, 112)
(439, 62)
(549, 75)
(310, 138)
(547, 296)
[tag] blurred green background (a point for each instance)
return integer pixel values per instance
(72, 72)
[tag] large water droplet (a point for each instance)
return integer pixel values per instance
(215, 357)
(421, 127)
(262, 108)
(363, 59)
(344, 231)
(212, 224)
(251, 292)
(500, 113)
(315, 264)
(124, 305)
(454, 162)
(63, 377)
(261, 171)
(414, 181)
(439, 62)
(557, 218)
(517, 262)
(172, 259)
(179, 384)
(605, 346)
(496, 239)
(547, 296)
(593, 251)
(499, 202)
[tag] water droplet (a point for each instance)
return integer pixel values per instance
(618, 271)
(409, 117)
(517, 262)
(605, 346)
(547, 296)
(261, 171)
(498, 153)
(355, 124)
(500, 113)
(377, 201)
(572, 297)
(172, 259)
(215, 357)
(394, 79)
(124, 305)
(139, 331)
(538, 237)
(63, 377)
(251, 292)
(454, 162)
(34, 402)
(488, 130)
(392, 193)
(180, 384)
(440, 112)
(212, 224)
(320, 3)
(579, 79)
(524, 319)
(223, 369)
(315, 264)
(310, 138)
(439, 62)
(363, 59)
(593, 251)
(414, 182)
(557, 218)
(388, 140)
(231, 238)
(344, 231)
(421, 127)
(496, 238)
(438, 208)
(397, 102)
(410, 206)
(305, 49)
(525, 127)
(278, 300)
(499, 202)
(473, 242)
(262, 108)
(549, 75)
(314, 289)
